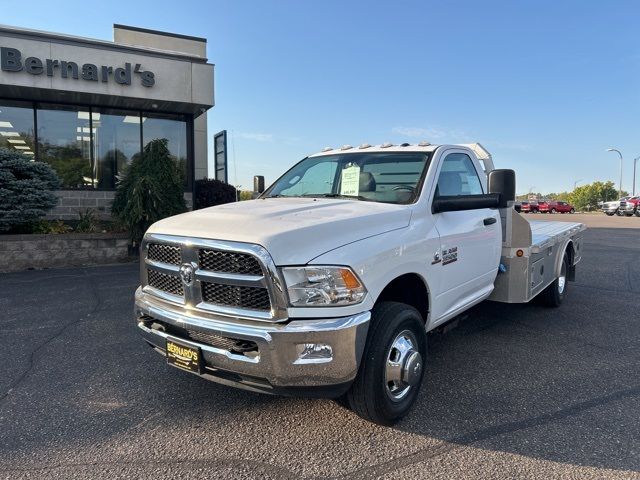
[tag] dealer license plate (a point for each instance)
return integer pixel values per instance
(184, 356)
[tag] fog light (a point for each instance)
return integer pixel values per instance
(313, 353)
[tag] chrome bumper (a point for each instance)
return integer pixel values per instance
(276, 367)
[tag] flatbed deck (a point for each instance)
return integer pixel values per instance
(546, 234)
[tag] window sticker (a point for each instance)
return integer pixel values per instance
(350, 181)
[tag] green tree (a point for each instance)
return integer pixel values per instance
(26, 189)
(152, 189)
(587, 197)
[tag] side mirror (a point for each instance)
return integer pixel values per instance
(503, 181)
(258, 183)
(465, 202)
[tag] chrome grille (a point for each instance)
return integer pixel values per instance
(228, 262)
(251, 298)
(165, 282)
(232, 279)
(164, 253)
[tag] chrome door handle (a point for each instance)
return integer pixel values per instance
(489, 221)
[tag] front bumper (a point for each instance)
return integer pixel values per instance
(629, 209)
(274, 364)
(609, 209)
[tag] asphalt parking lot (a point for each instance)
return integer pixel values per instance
(514, 391)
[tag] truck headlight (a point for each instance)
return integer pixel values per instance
(323, 286)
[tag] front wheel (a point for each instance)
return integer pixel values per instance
(553, 210)
(637, 212)
(554, 294)
(573, 210)
(609, 214)
(392, 364)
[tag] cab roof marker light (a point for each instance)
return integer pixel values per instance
(365, 145)
(424, 144)
(327, 149)
(405, 145)
(346, 147)
(386, 145)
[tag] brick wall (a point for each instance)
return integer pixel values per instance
(72, 202)
(21, 252)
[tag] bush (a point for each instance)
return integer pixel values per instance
(26, 189)
(55, 227)
(246, 195)
(88, 222)
(152, 189)
(209, 192)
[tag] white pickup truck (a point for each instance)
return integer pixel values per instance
(327, 284)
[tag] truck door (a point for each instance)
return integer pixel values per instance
(470, 240)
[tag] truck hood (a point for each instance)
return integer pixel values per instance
(293, 230)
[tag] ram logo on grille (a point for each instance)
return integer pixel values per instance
(186, 274)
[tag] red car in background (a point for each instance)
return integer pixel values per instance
(630, 206)
(555, 207)
(528, 207)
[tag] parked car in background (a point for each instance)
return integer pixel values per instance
(555, 207)
(614, 207)
(529, 207)
(630, 206)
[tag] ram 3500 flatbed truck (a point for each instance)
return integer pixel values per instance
(327, 284)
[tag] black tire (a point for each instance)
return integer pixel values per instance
(553, 210)
(554, 294)
(371, 396)
(619, 212)
(573, 210)
(609, 214)
(637, 212)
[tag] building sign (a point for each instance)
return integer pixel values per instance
(220, 155)
(11, 61)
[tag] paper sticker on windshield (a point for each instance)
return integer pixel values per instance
(350, 181)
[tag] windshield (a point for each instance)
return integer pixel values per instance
(392, 177)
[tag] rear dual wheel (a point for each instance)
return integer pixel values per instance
(392, 364)
(554, 294)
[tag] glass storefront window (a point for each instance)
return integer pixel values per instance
(16, 127)
(64, 142)
(90, 148)
(116, 143)
(174, 129)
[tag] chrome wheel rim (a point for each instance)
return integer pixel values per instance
(562, 279)
(403, 367)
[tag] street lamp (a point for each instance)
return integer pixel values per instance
(575, 184)
(620, 186)
(634, 175)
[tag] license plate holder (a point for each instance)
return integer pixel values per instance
(183, 356)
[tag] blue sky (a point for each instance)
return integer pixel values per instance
(546, 86)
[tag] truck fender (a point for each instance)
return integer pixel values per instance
(567, 247)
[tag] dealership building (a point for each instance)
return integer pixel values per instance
(88, 107)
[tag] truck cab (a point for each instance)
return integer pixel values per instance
(327, 284)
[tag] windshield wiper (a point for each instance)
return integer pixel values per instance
(337, 195)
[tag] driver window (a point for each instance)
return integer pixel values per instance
(458, 176)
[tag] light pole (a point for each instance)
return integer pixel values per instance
(575, 184)
(633, 187)
(620, 185)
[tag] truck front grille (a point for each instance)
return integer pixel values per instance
(164, 253)
(213, 276)
(228, 262)
(251, 298)
(165, 282)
